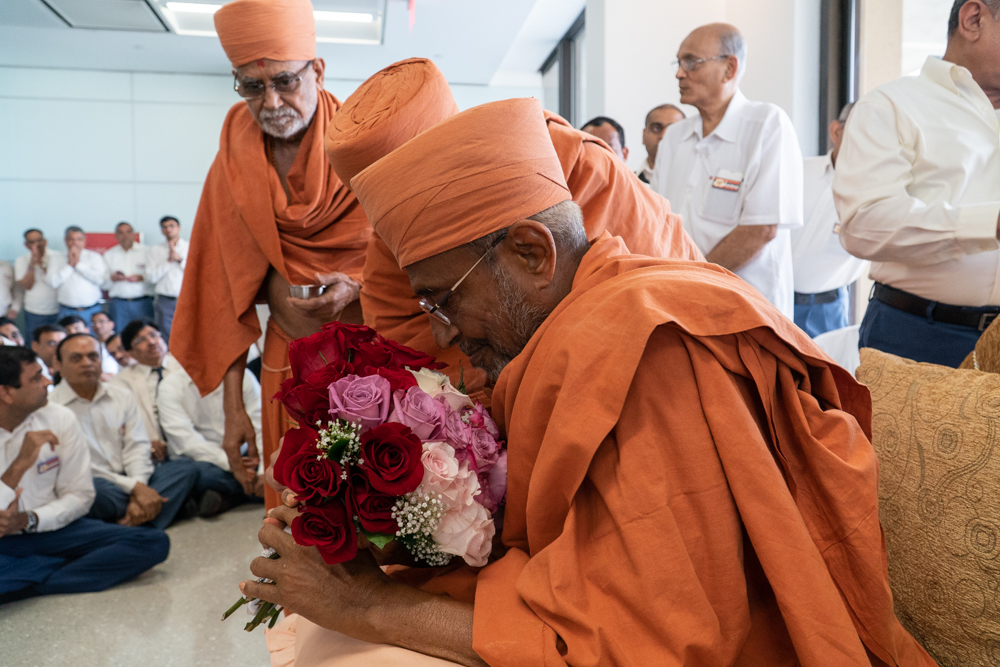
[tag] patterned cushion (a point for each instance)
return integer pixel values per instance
(935, 431)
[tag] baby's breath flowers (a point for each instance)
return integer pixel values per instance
(418, 516)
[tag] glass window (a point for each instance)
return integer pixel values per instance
(580, 71)
(925, 32)
(550, 87)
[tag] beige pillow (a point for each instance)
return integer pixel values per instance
(935, 431)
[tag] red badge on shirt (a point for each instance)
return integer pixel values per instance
(47, 465)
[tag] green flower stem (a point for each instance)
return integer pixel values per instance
(239, 603)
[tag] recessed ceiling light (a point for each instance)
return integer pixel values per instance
(193, 7)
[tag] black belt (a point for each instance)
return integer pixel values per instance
(138, 298)
(79, 310)
(164, 296)
(964, 316)
(818, 298)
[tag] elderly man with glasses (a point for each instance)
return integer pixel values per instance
(272, 214)
(734, 171)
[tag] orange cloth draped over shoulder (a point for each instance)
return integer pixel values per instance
(407, 98)
(690, 479)
(246, 225)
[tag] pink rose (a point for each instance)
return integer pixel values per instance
(416, 409)
(361, 400)
(480, 418)
(445, 476)
(457, 433)
(466, 531)
(493, 484)
(485, 450)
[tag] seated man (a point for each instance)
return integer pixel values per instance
(74, 324)
(46, 543)
(689, 479)
(143, 342)
(102, 326)
(194, 426)
(9, 332)
(116, 350)
(45, 339)
(129, 489)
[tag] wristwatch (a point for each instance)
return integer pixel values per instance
(32, 526)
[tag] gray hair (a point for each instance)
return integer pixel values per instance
(732, 44)
(846, 111)
(993, 5)
(564, 221)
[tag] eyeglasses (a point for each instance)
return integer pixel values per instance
(434, 308)
(691, 64)
(283, 84)
(152, 336)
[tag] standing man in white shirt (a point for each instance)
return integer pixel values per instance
(144, 343)
(734, 172)
(128, 292)
(166, 272)
(823, 269)
(46, 544)
(10, 295)
(657, 121)
(41, 306)
(130, 491)
(918, 191)
(77, 276)
(194, 426)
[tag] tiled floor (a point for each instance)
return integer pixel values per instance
(168, 617)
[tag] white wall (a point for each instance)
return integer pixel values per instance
(91, 148)
(632, 43)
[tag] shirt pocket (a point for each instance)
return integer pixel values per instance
(721, 205)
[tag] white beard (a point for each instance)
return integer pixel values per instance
(283, 122)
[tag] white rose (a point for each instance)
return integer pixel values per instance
(437, 384)
(466, 531)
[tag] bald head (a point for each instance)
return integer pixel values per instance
(712, 61)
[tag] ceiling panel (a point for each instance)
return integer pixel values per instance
(29, 13)
(108, 14)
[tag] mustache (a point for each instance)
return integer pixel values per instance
(279, 113)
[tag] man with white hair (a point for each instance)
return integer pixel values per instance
(734, 171)
(916, 189)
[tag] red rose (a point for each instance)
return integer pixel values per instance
(306, 404)
(329, 374)
(310, 354)
(330, 529)
(296, 441)
(398, 380)
(312, 478)
(407, 356)
(372, 354)
(391, 455)
(372, 507)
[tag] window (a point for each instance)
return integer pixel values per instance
(564, 75)
(925, 32)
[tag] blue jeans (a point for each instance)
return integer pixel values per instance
(211, 476)
(33, 321)
(914, 337)
(818, 318)
(85, 313)
(85, 556)
(164, 319)
(172, 479)
(123, 311)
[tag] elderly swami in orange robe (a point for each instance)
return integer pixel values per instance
(272, 214)
(690, 478)
(406, 98)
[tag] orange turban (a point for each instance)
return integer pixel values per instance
(471, 175)
(272, 29)
(390, 108)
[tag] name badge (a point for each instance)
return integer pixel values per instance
(47, 465)
(728, 180)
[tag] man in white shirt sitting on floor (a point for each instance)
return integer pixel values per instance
(823, 269)
(917, 191)
(75, 324)
(46, 543)
(194, 426)
(165, 272)
(144, 343)
(129, 489)
(9, 333)
(734, 171)
(77, 276)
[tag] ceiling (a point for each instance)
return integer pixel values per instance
(472, 41)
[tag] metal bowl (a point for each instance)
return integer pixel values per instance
(305, 291)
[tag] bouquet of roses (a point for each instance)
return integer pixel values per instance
(386, 448)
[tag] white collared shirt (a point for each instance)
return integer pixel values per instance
(756, 153)
(119, 446)
(645, 173)
(142, 380)
(79, 286)
(131, 262)
(41, 298)
(821, 264)
(58, 488)
(167, 276)
(10, 293)
(918, 186)
(195, 424)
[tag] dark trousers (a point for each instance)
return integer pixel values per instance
(33, 321)
(211, 476)
(164, 318)
(123, 311)
(914, 337)
(818, 318)
(85, 556)
(174, 480)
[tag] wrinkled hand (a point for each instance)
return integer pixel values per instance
(33, 443)
(341, 290)
(336, 597)
(149, 501)
(158, 448)
(133, 515)
(13, 520)
(238, 430)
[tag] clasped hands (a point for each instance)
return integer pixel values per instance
(144, 504)
(341, 290)
(118, 277)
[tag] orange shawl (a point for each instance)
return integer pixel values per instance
(690, 482)
(612, 200)
(245, 224)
